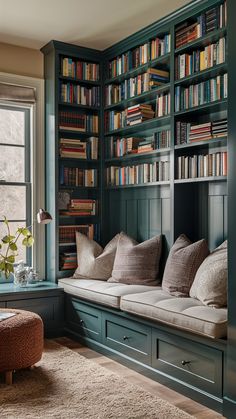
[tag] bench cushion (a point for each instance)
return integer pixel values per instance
(185, 313)
(101, 292)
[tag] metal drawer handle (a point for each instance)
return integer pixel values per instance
(185, 362)
(125, 337)
(81, 322)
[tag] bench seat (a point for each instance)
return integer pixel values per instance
(184, 313)
(101, 292)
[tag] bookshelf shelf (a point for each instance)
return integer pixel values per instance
(138, 156)
(213, 142)
(82, 188)
(203, 41)
(216, 106)
(79, 81)
(163, 61)
(143, 97)
(79, 106)
(78, 133)
(202, 179)
(74, 160)
(203, 75)
(67, 244)
(144, 127)
(139, 185)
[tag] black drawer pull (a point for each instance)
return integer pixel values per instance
(125, 337)
(185, 362)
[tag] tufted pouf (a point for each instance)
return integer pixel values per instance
(21, 341)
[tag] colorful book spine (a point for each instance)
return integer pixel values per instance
(80, 70)
(138, 174)
(187, 132)
(73, 121)
(74, 176)
(202, 165)
(80, 95)
(201, 93)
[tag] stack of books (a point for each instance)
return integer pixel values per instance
(73, 176)
(207, 22)
(157, 77)
(203, 165)
(139, 113)
(187, 132)
(145, 147)
(73, 121)
(199, 60)
(80, 207)
(68, 260)
(73, 148)
(219, 128)
(79, 69)
(201, 93)
(72, 93)
(67, 233)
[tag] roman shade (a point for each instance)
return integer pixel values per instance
(11, 92)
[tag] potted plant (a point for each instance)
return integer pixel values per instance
(8, 247)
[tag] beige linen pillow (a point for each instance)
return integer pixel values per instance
(210, 283)
(182, 264)
(137, 263)
(94, 262)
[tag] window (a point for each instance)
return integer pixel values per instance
(22, 160)
(15, 170)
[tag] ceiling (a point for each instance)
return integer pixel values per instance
(95, 23)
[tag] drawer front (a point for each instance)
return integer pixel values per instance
(127, 337)
(2, 304)
(83, 319)
(47, 308)
(193, 363)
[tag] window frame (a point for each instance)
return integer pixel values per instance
(37, 160)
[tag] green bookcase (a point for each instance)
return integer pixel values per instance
(196, 206)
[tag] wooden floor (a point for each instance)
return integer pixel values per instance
(193, 408)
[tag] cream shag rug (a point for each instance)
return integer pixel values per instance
(67, 385)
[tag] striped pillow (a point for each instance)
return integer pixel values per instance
(182, 264)
(137, 263)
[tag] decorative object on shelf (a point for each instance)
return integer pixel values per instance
(21, 274)
(9, 243)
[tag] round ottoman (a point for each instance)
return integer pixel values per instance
(21, 341)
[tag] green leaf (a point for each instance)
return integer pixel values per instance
(9, 267)
(8, 239)
(5, 220)
(0, 246)
(2, 266)
(12, 246)
(11, 259)
(28, 241)
(25, 232)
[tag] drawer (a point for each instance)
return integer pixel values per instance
(127, 337)
(47, 308)
(190, 362)
(83, 319)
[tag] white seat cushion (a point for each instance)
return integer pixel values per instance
(101, 292)
(185, 313)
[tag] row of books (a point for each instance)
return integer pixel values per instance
(74, 176)
(138, 174)
(186, 132)
(134, 86)
(119, 147)
(80, 95)
(80, 207)
(140, 55)
(79, 69)
(67, 233)
(199, 60)
(201, 93)
(74, 121)
(68, 261)
(138, 113)
(202, 165)
(209, 21)
(79, 149)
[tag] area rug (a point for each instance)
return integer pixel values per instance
(67, 385)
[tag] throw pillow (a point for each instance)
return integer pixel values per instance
(182, 264)
(210, 283)
(94, 262)
(137, 263)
